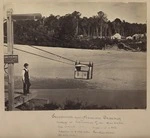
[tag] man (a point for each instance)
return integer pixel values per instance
(26, 79)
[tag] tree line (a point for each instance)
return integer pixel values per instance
(65, 30)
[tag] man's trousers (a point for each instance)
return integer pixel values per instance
(26, 87)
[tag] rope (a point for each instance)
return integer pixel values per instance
(41, 56)
(52, 53)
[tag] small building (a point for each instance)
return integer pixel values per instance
(138, 36)
(135, 37)
(129, 38)
(116, 36)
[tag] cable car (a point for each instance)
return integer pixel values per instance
(83, 70)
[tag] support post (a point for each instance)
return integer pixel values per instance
(10, 41)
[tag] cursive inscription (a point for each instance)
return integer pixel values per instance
(86, 125)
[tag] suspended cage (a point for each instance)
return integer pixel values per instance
(83, 70)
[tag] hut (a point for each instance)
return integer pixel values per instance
(116, 36)
(129, 38)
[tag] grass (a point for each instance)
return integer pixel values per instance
(68, 105)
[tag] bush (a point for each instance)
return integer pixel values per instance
(72, 105)
(68, 105)
(134, 44)
(51, 106)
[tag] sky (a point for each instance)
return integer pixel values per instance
(130, 12)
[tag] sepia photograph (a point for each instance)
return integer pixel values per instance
(75, 56)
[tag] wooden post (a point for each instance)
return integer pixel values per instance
(10, 42)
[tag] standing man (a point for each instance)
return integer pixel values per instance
(26, 79)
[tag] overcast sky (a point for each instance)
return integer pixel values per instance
(131, 12)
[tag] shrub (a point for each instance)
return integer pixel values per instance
(51, 106)
(72, 105)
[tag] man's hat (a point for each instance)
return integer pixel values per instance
(26, 64)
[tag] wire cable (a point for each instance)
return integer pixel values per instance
(52, 53)
(41, 56)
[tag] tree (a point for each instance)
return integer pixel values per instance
(117, 23)
(102, 20)
(52, 23)
(61, 30)
(83, 25)
(76, 17)
(67, 30)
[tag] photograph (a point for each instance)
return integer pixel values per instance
(74, 55)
